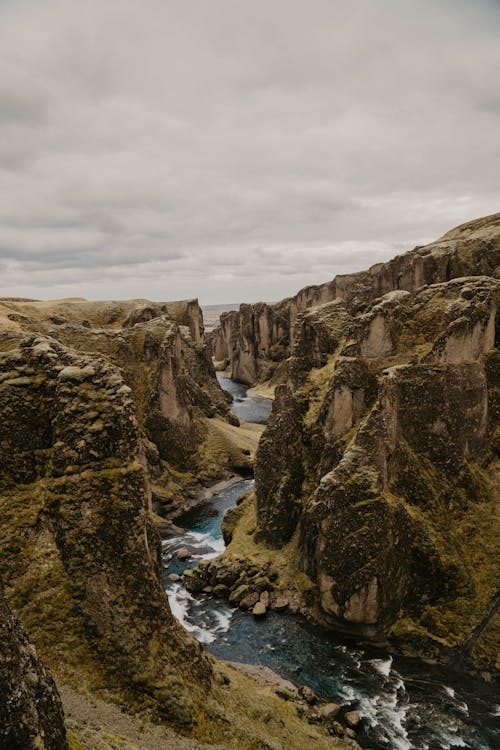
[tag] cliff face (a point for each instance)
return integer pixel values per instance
(31, 714)
(387, 482)
(102, 403)
(254, 339)
(98, 414)
(80, 556)
(163, 359)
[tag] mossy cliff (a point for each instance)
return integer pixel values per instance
(160, 350)
(31, 714)
(383, 497)
(80, 556)
(254, 340)
(80, 559)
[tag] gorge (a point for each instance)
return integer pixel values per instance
(371, 529)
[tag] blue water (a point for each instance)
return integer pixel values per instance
(406, 703)
(247, 406)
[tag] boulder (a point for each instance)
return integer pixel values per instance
(249, 601)
(184, 554)
(307, 694)
(259, 610)
(280, 603)
(353, 718)
(239, 593)
(264, 598)
(329, 711)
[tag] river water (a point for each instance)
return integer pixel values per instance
(247, 405)
(406, 703)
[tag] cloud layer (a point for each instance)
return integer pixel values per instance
(237, 151)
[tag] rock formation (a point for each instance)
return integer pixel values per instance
(387, 481)
(80, 556)
(253, 340)
(31, 714)
(160, 350)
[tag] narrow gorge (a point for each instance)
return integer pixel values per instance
(330, 564)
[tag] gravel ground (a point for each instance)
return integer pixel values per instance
(104, 726)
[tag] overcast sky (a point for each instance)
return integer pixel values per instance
(234, 150)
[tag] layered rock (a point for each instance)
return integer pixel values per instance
(31, 713)
(379, 464)
(254, 339)
(80, 557)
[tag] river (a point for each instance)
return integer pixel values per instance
(407, 704)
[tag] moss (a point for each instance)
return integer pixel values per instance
(227, 446)
(250, 715)
(316, 388)
(73, 741)
(282, 566)
(461, 515)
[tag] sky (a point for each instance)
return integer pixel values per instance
(236, 151)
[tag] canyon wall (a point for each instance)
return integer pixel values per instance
(384, 493)
(109, 411)
(254, 339)
(81, 559)
(160, 350)
(31, 714)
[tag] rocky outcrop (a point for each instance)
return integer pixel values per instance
(252, 341)
(31, 713)
(25, 314)
(163, 360)
(379, 464)
(80, 556)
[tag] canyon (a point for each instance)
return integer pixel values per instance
(384, 496)
(375, 505)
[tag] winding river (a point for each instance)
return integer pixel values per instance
(407, 704)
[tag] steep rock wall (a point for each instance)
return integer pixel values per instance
(163, 359)
(80, 557)
(31, 713)
(252, 340)
(380, 459)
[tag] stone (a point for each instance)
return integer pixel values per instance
(259, 610)
(280, 603)
(264, 598)
(307, 694)
(249, 601)
(329, 711)
(76, 374)
(313, 716)
(184, 553)
(350, 733)
(174, 577)
(336, 728)
(239, 593)
(352, 718)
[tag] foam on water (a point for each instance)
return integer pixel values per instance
(388, 709)
(382, 665)
(200, 618)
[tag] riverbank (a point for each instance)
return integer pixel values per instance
(405, 702)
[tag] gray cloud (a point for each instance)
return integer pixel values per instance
(237, 151)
